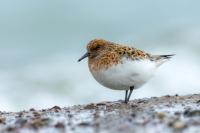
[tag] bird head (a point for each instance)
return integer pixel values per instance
(95, 48)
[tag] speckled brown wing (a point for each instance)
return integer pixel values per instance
(137, 54)
(133, 53)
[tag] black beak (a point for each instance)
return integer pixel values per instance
(83, 57)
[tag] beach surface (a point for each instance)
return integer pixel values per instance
(165, 114)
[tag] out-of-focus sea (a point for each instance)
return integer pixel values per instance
(40, 42)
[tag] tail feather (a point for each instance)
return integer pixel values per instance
(166, 56)
(160, 59)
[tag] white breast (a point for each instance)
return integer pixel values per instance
(123, 76)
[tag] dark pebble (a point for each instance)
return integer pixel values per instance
(56, 109)
(177, 113)
(2, 120)
(36, 123)
(101, 104)
(20, 114)
(11, 129)
(134, 105)
(43, 110)
(198, 101)
(70, 115)
(84, 124)
(192, 113)
(32, 109)
(142, 101)
(21, 122)
(133, 115)
(36, 114)
(167, 96)
(90, 106)
(60, 125)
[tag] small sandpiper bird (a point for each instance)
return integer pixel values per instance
(121, 67)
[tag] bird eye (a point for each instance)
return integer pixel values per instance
(97, 47)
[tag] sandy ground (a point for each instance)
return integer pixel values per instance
(167, 114)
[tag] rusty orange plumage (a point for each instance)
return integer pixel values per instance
(104, 54)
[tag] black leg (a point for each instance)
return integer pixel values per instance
(129, 95)
(126, 94)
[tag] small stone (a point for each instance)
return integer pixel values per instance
(32, 109)
(167, 96)
(20, 114)
(179, 125)
(133, 115)
(70, 115)
(84, 124)
(56, 109)
(43, 110)
(2, 120)
(60, 125)
(10, 129)
(36, 114)
(101, 104)
(177, 113)
(130, 120)
(161, 115)
(198, 101)
(21, 122)
(90, 106)
(142, 101)
(36, 123)
(192, 113)
(134, 105)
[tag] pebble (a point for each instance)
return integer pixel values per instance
(2, 120)
(56, 109)
(192, 113)
(90, 106)
(179, 125)
(161, 115)
(32, 109)
(60, 125)
(198, 101)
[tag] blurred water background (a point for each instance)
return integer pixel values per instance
(41, 40)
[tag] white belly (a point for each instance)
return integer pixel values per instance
(123, 76)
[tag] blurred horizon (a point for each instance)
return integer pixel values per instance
(40, 42)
